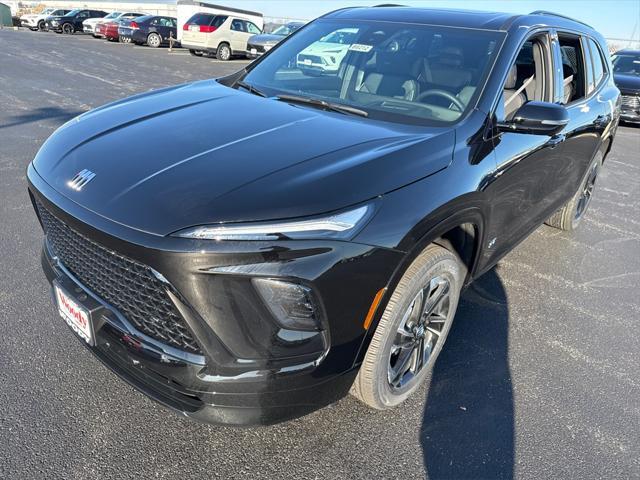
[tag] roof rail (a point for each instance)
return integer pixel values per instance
(388, 5)
(553, 14)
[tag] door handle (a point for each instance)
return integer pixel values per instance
(556, 140)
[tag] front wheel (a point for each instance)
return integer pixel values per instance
(223, 52)
(411, 331)
(41, 26)
(571, 214)
(67, 28)
(154, 40)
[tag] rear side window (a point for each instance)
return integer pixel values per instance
(201, 19)
(219, 20)
(597, 61)
(573, 68)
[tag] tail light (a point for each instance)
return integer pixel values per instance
(134, 26)
(185, 27)
(207, 28)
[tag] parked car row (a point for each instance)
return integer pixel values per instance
(224, 36)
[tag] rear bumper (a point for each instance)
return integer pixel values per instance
(248, 372)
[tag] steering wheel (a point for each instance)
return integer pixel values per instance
(442, 93)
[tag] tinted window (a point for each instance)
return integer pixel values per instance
(201, 19)
(598, 66)
(219, 20)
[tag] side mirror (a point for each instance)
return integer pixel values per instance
(538, 118)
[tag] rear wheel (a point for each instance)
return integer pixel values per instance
(154, 40)
(569, 216)
(67, 28)
(195, 53)
(223, 52)
(41, 25)
(412, 330)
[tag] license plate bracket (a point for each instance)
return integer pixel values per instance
(81, 312)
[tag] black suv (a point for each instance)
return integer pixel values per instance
(626, 74)
(249, 269)
(72, 21)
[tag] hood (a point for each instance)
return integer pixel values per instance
(627, 83)
(204, 153)
(265, 39)
(325, 47)
(30, 16)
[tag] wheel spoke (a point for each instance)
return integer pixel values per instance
(439, 293)
(402, 366)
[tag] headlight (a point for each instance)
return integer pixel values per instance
(341, 225)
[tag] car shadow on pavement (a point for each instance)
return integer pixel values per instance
(468, 424)
(39, 114)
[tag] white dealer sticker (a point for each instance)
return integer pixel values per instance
(359, 47)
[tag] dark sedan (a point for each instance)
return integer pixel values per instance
(270, 241)
(151, 30)
(72, 21)
(626, 73)
(263, 42)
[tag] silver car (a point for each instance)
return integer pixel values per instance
(262, 43)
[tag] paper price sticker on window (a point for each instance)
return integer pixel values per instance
(358, 47)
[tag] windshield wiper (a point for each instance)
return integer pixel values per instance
(315, 102)
(250, 88)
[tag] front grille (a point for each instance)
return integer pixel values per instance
(312, 58)
(630, 102)
(258, 48)
(127, 285)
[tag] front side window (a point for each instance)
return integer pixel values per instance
(626, 64)
(252, 28)
(388, 70)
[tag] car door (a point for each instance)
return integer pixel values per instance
(79, 18)
(237, 35)
(587, 109)
(527, 183)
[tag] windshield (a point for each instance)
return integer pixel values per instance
(406, 73)
(626, 64)
(112, 15)
(285, 30)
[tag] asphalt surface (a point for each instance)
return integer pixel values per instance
(540, 377)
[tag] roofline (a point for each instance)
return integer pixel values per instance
(221, 7)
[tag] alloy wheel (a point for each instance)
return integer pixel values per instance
(420, 332)
(67, 28)
(587, 192)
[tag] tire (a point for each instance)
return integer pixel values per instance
(154, 40)
(195, 53)
(68, 29)
(223, 52)
(41, 26)
(571, 214)
(435, 269)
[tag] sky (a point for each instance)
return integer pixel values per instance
(614, 19)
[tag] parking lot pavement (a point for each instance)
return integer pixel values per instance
(540, 377)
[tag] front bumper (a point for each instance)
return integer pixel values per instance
(87, 29)
(29, 23)
(245, 374)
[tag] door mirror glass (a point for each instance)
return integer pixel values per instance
(538, 118)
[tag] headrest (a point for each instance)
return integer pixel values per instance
(567, 70)
(451, 56)
(395, 63)
(512, 78)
